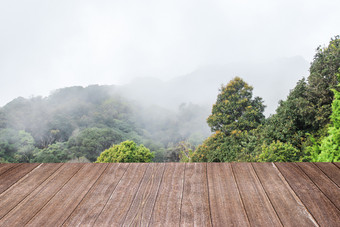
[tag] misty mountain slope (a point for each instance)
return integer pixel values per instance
(271, 81)
(77, 122)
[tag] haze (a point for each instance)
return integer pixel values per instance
(46, 45)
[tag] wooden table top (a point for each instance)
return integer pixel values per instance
(170, 194)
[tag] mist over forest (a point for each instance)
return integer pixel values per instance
(190, 118)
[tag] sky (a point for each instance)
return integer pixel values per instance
(46, 45)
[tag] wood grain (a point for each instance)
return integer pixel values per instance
(170, 194)
(167, 208)
(337, 164)
(120, 201)
(330, 189)
(10, 198)
(11, 176)
(225, 202)
(195, 202)
(286, 204)
(7, 166)
(90, 207)
(34, 202)
(322, 209)
(142, 206)
(66, 200)
(330, 170)
(259, 210)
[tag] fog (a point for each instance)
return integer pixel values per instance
(186, 49)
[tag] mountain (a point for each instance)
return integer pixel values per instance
(271, 81)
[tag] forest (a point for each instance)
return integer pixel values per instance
(98, 123)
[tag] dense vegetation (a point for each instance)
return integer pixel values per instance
(77, 124)
(126, 151)
(300, 130)
(87, 124)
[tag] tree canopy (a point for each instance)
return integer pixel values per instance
(126, 151)
(236, 109)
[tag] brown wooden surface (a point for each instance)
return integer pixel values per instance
(286, 204)
(315, 201)
(195, 202)
(142, 206)
(118, 205)
(90, 207)
(167, 208)
(256, 203)
(225, 201)
(331, 171)
(328, 187)
(10, 198)
(6, 166)
(337, 164)
(170, 194)
(60, 207)
(11, 176)
(33, 203)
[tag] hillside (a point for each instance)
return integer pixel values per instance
(80, 122)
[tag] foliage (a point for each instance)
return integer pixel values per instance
(240, 146)
(57, 152)
(322, 78)
(126, 151)
(329, 149)
(183, 151)
(292, 120)
(279, 152)
(235, 109)
(16, 146)
(235, 117)
(91, 142)
(304, 115)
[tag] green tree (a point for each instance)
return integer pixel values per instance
(293, 118)
(234, 119)
(279, 152)
(329, 150)
(91, 142)
(236, 109)
(322, 78)
(16, 146)
(57, 152)
(126, 151)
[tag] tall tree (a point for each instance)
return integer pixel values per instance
(329, 151)
(235, 116)
(322, 78)
(236, 109)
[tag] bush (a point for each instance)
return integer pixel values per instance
(279, 152)
(126, 151)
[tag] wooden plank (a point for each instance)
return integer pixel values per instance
(120, 201)
(330, 170)
(337, 164)
(7, 166)
(10, 198)
(259, 210)
(328, 187)
(286, 204)
(35, 201)
(13, 175)
(322, 209)
(168, 204)
(195, 202)
(93, 203)
(225, 201)
(59, 208)
(142, 206)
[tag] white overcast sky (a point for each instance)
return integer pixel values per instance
(49, 44)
